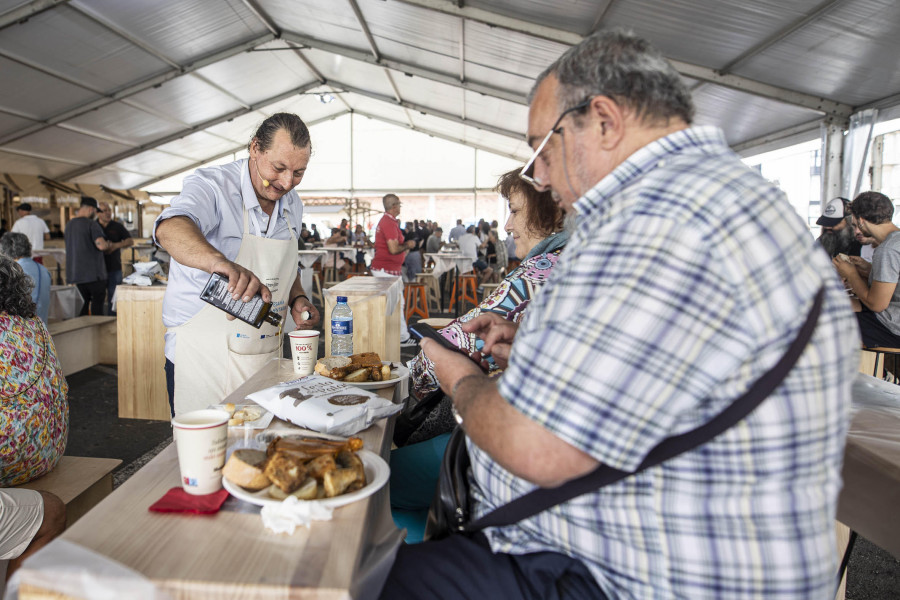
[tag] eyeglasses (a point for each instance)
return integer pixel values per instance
(527, 172)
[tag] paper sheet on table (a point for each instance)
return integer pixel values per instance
(77, 572)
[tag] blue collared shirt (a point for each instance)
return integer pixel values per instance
(40, 294)
(686, 279)
(214, 198)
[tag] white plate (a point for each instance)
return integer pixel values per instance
(261, 423)
(398, 374)
(377, 473)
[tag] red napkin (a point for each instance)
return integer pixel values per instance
(178, 501)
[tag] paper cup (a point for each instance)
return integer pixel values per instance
(304, 350)
(200, 440)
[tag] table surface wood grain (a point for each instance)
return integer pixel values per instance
(230, 554)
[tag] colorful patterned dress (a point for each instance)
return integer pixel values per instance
(34, 414)
(509, 300)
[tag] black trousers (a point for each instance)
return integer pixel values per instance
(94, 294)
(170, 384)
(459, 567)
(874, 333)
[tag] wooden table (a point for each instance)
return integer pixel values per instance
(871, 494)
(230, 554)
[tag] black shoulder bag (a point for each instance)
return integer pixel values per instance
(449, 512)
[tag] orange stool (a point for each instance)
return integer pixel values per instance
(416, 300)
(468, 290)
(351, 274)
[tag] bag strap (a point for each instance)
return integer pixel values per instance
(541, 499)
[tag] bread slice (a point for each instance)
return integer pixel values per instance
(245, 468)
(334, 367)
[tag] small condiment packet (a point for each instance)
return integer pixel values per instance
(287, 515)
(325, 405)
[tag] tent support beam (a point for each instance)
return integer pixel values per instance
(185, 132)
(697, 72)
(135, 88)
(452, 80)
(430, 111)
(26, 11)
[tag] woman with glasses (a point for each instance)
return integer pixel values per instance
(536, 224)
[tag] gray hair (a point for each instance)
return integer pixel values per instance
(15, 289)
(389, 201)
(15, 245)
(626, 68)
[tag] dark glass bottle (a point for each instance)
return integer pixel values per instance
(256, 312)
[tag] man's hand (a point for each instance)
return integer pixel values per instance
(497, 333)
(843, 267)
(300, 305)
(863, 267)
(449, 366)
(242, 283)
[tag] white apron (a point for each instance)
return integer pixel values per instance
(213, 356)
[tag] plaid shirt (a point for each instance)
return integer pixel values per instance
(685, 281)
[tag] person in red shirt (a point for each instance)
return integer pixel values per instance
(390, 251)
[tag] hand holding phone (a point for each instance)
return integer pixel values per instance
(424, 330)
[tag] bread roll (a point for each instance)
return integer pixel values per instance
(245, 468)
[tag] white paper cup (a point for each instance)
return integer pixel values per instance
(200, 439)
(304, 350)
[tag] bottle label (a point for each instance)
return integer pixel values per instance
(341, 327)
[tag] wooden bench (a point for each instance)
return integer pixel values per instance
(83, 342)
(80, 482)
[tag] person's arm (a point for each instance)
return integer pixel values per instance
(877, 297)
(396, 247)
(517, 443)
(182, 239)
(46, 236)
(302, 303)
(101, 244)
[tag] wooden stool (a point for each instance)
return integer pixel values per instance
(879, 369)
(349, 275)
(416, 300)
(468, 290)
(432, 287)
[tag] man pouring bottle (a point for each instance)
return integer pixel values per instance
(240, 220)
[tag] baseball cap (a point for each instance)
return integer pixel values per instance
(88, 201)
(834, 213)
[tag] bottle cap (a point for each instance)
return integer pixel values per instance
(342, 298)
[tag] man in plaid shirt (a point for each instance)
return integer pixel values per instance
(686, 279)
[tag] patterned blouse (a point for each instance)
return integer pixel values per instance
(34, 414)
(509, 300)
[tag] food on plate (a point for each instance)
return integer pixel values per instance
(307, 468)
(245, 414)
(356, 368)
(245, 468)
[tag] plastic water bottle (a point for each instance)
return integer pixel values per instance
(341, 328)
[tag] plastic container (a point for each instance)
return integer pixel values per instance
(341, 328)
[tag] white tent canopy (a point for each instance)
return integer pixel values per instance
(128, 93)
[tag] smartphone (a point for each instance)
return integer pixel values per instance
(424, 330)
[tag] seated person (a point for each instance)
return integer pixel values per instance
(536, 223)
(837, 233)
(17, 246)
(469, 244)
(877, 300)
(34, 420)
(338, 237)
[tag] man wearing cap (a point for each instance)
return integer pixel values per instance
(837, 233)
(32, 226)
(85, 266)
(878, 307)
